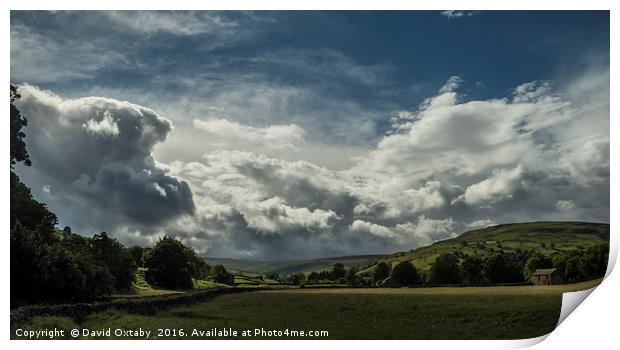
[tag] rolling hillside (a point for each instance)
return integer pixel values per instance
(249, 267)
(545, 237)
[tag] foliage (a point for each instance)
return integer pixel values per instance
(536, 261)
(351, 277)
(109, 252)
(18, 146)
(171, 264)
(297, 278)
(445, 270)
(471, 271)
(382, 271)
(405, 274)
(220, 275)
(338, 271)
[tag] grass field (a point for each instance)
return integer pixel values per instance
(404, 313)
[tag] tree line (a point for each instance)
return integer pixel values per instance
(498, 268)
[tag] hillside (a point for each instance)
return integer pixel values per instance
(545, 237)
(290, 266)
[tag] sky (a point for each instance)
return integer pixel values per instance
(290, 135)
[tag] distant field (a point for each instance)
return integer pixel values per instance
(404, 313)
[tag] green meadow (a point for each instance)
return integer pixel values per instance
(503, 312)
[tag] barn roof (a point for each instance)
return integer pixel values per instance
(542, 272)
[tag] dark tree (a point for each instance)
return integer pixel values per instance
(445, 270)
(18, 146)
(297, 278)
(351, 277)
(313, 277)
(471, 271)
(169, 265)
(109, 252)
(338, 271)
(405, 274)
(382, 271)
(136, 253)
(220, 275)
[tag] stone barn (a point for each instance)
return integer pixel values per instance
(547, 277)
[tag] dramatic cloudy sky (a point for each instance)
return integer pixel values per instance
(295, 135)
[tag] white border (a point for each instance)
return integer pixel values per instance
(593, 323)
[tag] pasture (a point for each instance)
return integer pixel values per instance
(346, 313)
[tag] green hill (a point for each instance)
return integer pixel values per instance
(250, 267)
(545, 237)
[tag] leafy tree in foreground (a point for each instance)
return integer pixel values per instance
(445, 270)
(405, 274)
(382, 271)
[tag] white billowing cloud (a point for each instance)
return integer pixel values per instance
(96, 155)
(499, 186)
(279, 136)
(426, 230)
(565, 206)
(373, 229)
(421, 232)
(106, 126)
(274, 216)
(481, 223)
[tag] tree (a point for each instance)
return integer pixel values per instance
(405, 274)
(170, 265)
(503, 268)
(220, 275)
(313, 277)
(351, 277)
(471, 271)
(381, 272)
(296, 278)
(18, 146)
(112, 254)
(595, 260)
(338, 271)
(445, 269)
